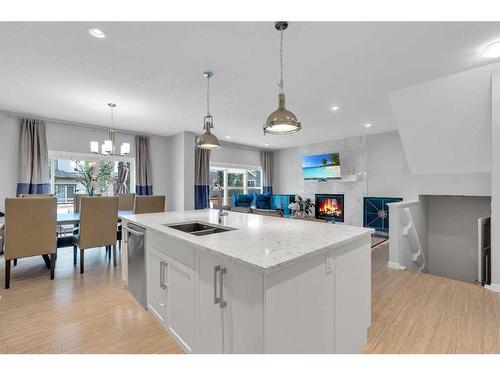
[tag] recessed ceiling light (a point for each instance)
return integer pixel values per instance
(335, 107)
(267, 144)
(492, 50)
(227, 136)
(368, 124)
(98, 33)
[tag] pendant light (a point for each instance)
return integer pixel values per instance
(281, 121)
(207, 140)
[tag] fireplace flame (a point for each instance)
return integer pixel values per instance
(330, 206)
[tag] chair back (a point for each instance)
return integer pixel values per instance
(98, 220)
(35, 195)
(126, 201)
(30, 227)
(148, 204)
(275, 213)
(76, 201)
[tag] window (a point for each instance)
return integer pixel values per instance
(72, 173)
(234, 180)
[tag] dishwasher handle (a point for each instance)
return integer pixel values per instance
(133, 231)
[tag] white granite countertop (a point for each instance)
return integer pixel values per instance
(262, 242)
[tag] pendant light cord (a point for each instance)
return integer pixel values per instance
(281, 83)
(208, 96)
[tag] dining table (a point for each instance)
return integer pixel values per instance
(65, 218)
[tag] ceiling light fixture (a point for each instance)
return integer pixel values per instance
(227, 137)
(335, 107)
(95, 32)
(281, 121)
(492, 50)
(207, 140)
(109, 146)
(368, 124)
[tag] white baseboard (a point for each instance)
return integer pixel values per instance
(395, 266)
(493, 287)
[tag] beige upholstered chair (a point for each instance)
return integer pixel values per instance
(126, 202)
(148, 204)
(30, 229)
(98, 219)
(35, 195)
(76, 201)
(275, 213)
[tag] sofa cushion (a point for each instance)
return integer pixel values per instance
(243, 200)
(263, 201)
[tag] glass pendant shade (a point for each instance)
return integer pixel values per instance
(207, 140)
(125, 148)
(94, 147)
(282, 121)
(108, 146)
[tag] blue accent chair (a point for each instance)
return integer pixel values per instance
(243, 200)
(263, 201)
(281, 202)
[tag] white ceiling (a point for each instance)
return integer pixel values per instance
(153, 72)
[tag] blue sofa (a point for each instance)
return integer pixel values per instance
(243, 200)
(263, 201)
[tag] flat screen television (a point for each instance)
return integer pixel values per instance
(321, 167)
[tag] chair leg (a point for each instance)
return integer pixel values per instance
(109, 252)
(81, 261)
(74, 255)
(15, 262)
(114, 255)
(7, 274)
(46, 259)
(53, 258)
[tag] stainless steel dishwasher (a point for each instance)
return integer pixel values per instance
(137, 284)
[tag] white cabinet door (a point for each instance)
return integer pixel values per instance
(209, 334)
(157, 292)
(180, 302)
(243, 314)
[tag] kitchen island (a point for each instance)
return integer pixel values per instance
(256, 284)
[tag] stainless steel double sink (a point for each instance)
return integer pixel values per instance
(198, 228)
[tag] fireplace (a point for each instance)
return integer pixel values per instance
(330, 207)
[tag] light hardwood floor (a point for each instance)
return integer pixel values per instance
(94, 313)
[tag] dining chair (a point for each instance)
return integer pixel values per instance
(260, 211)
(126, 201)
(35, 195)
(147, 204)
(98, 220)
(30, 230)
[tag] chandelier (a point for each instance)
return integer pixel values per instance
(109, 145)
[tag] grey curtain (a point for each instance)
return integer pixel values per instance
(201, 178)
(266, 162)
(143, 174)
(34, 158)
(121, 178)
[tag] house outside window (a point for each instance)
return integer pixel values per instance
(66, 172)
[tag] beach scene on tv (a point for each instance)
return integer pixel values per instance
(321, 167)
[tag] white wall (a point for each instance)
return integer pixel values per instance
(181, 169)
(495, 183)
(382, 158)
(61, 137)
(235, 155)
(388, 174)
(445, 124)
(452, 226)
(288, 177)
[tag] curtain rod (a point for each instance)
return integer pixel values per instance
(70, 123)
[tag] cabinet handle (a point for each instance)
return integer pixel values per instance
(162, 275)
(216, 271)
(222, 303)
